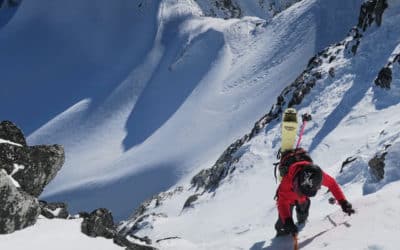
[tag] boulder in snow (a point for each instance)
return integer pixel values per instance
(33, 167)
(54, 210)
(100, 222)
(384, 78)
(18, 209)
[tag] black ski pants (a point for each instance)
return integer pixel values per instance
(301, 215)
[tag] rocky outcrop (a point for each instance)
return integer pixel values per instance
(371, 11)
(99, 223)
(25, 171)
(38, 164)
(384, 78)
(377, 164)
(54, 210)
(385, 75)
(18, 209)
(125, 242)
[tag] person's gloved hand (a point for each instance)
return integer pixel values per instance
(290, 227)
(347, 207)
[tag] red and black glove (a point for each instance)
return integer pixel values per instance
(347, 207)
(290, 227)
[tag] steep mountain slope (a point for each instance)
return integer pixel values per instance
(351, 90)
(144, 92)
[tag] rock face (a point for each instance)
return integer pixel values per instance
(384, 78)
(377, 165)
(371, 11)
(10, 132)
(18, 209)
(99, 223)
(24, 172)
(38, 165)
(54, 210)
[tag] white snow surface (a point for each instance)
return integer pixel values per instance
(54, 234)
(144, 91)
(222, 76)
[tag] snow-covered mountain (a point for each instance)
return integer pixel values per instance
(351, 89)
(147, 91)
(146, 95)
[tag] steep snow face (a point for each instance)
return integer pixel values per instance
(353, 122)
(142, 92)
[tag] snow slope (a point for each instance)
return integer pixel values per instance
(117, 84)
(352, 119)
(54, 234)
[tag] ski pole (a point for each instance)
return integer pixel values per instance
(295, 242)
(305, 117)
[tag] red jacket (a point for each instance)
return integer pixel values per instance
(288, 197)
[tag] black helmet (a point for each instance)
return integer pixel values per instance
(309, 180)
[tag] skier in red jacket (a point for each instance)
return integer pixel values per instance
(302, 181)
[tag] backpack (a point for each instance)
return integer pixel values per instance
(288, 158)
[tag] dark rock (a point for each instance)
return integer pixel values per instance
(123, 241)
(371, 11)
(190, 201)
(347, 162)
(331, 59)
(10, 132)
(40, 165)
(384, 78)
(314, 62)
(18, 209)
(396, 59)
(168, 238)
(332, 72)
(229, 8)
(84, 215)
(54, 210)
(317, 75)
(380, 8)
(99, 223)
(377, 166)
(355, 47)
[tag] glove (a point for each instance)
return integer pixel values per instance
(306, 117)
(347, 207)
(290, 227)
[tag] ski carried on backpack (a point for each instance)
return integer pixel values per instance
(289, 154)
(289, 129)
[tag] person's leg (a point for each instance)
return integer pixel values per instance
(302, 211)
(280, 230)
(279, 226)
